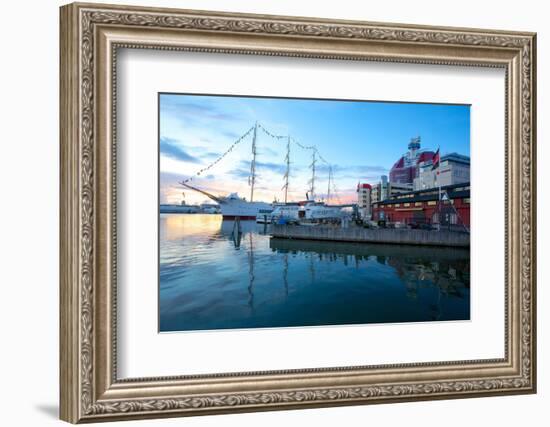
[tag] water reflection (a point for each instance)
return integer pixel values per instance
(445, 269)
(217, 274)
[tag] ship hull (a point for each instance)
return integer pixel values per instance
(241, 217)
(238, 208)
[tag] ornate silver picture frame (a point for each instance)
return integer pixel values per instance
(91, 36)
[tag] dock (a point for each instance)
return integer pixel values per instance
(399, 236)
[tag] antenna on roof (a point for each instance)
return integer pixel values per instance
(415, 143)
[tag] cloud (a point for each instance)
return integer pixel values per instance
(170, 148)
(242, 171)
(274, 167)
(353, 169)
(180, 106)
(171, 178)
(210, 155)
(267, 151)
(239, 173)
(244, 165)
(370, 169)
(230, 134)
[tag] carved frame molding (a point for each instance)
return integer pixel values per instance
(90, 37)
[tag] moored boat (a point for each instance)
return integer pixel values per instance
(233, 206)
(319, 211)
(265, 216)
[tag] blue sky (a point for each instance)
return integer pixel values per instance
(361, 140)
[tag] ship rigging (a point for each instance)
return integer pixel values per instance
(233, 206)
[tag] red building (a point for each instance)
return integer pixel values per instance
(450, 208)
(405, 169)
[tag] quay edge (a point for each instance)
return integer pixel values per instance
(379, 235)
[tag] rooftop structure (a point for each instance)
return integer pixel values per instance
(405, 169)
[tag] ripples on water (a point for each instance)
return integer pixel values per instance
(212, 279)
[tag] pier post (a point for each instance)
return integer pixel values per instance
(237, 232)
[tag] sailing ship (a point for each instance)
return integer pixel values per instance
(233, 206)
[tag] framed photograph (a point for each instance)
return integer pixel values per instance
(267, 212)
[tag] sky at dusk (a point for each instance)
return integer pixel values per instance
(360, 140)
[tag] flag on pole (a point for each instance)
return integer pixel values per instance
(435, 159)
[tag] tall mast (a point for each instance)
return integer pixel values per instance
(313, 161)
(329, 179)
(287, 173)
(253, 163)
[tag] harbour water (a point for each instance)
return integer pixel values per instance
(212, 277)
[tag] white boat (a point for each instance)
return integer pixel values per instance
(265, 216)
(318, 211)
(306, 210)
(286, 211)
(233, 206)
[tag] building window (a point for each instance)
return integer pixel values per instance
(453, 218)
(466, 200)
(432, 203)
(418, 204)
(397, 205)
(406, 204)
(435, 218)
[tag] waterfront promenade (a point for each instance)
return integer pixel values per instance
(400, 236)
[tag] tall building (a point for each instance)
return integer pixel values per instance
(364, 202)
(405, 169)
(452, 169)
(385, 189)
